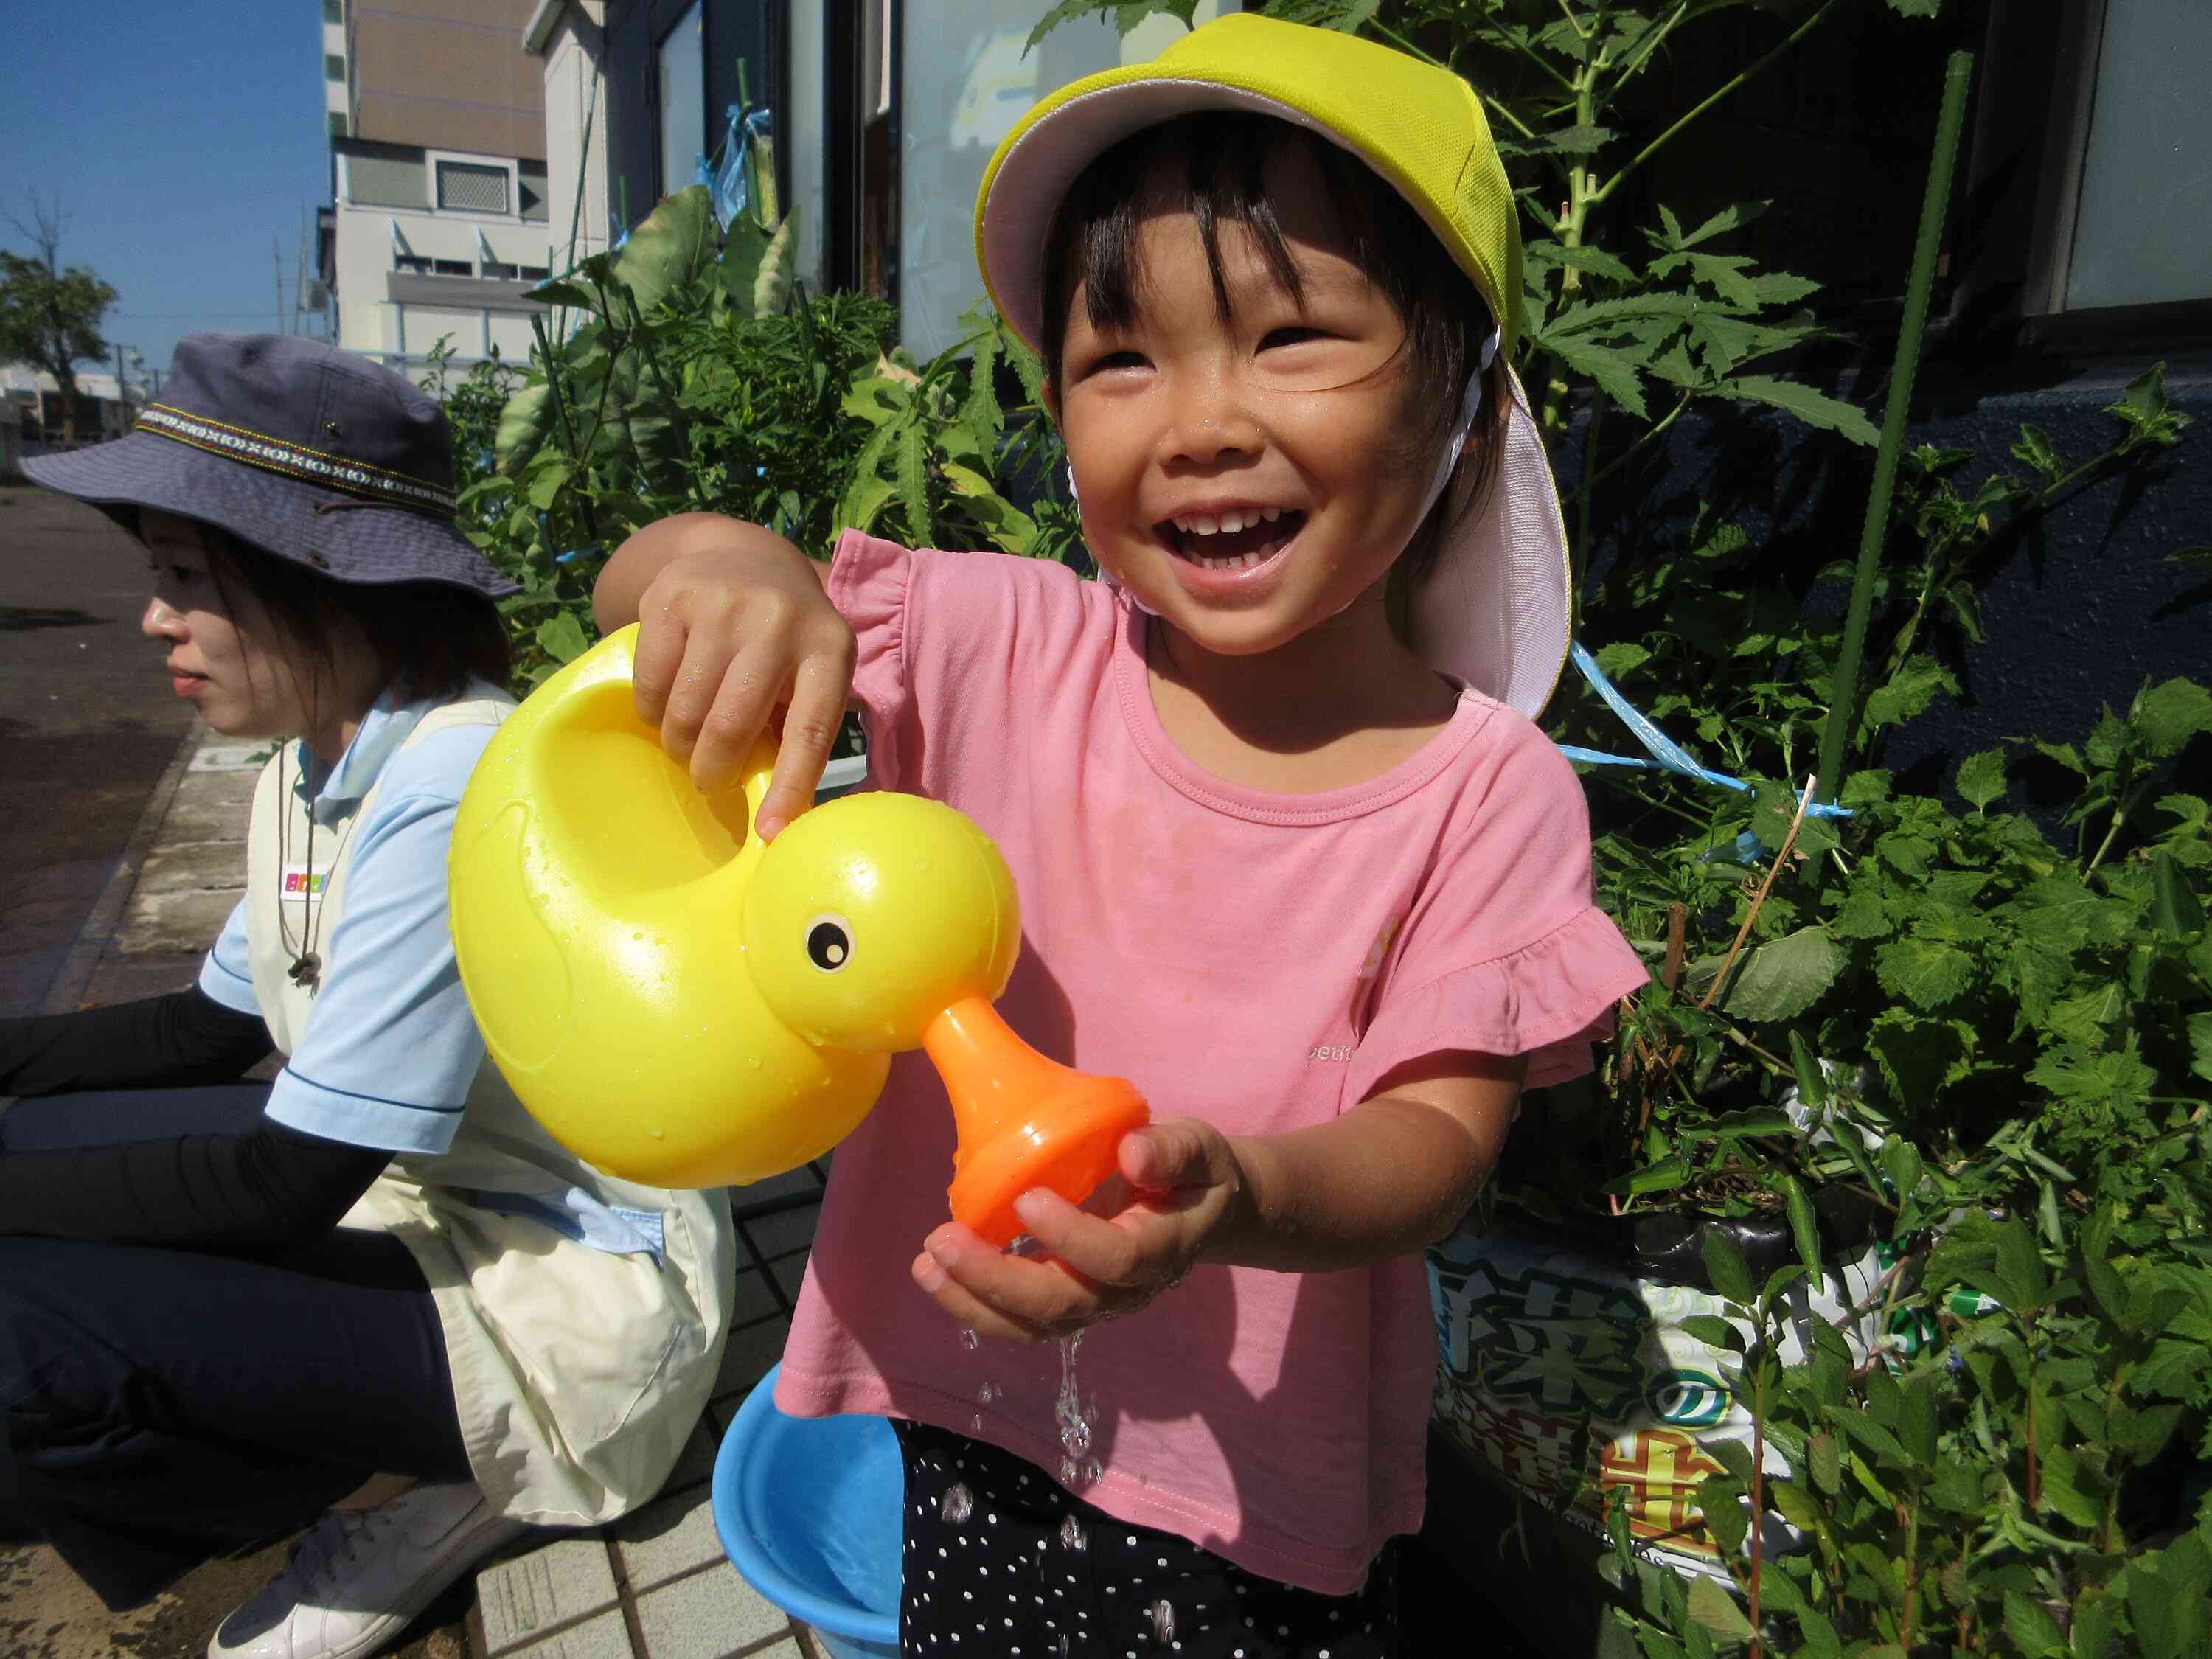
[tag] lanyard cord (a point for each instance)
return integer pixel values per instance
(306, 967)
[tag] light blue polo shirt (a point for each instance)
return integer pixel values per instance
(390, 1048)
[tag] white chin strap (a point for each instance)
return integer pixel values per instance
(1470, 405)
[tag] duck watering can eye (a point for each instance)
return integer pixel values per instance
(680, 1004)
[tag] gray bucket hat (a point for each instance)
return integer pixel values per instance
(304, 451)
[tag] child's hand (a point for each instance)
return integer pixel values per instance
(734, 625)
(1187, 1195)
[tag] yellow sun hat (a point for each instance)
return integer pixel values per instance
(1493, 612)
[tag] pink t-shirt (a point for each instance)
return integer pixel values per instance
(1259, 961)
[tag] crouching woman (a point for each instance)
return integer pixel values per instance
(373, 1291)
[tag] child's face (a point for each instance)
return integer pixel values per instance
(223, 659)
(1245, 477)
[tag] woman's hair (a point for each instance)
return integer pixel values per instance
(1092, 249)
(429, 639)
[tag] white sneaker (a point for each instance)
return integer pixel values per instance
(356, 1579)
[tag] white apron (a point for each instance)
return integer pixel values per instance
(579, 1373)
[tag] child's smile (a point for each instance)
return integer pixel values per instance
(1243, 466)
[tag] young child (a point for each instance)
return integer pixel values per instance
(1292, 855)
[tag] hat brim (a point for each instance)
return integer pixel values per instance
(337, 535)
(1494, 612)
(1035, 174)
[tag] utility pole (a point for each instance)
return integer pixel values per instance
(276, 259)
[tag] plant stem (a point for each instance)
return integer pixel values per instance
(1731, 85)
(1758, 1505)
(561, 413)
(1798, 823)
(1911, 1571)
(1578, 549)
(1405, 45)
(1641, 439)
(1843, 692)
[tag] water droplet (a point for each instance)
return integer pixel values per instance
(658, 1133)
(637, 936)
(1022, 1244)
(969, 1339)
(921, 863)
(1164, 1621)
(987, 1393)
(1092, 1470)
(975, 1423)
(753, 1061)
(1072, 1535)
(957, 1504)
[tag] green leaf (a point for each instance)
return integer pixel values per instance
(1824, 1460)
(1927, 973)
(1804, 1222)
(561, 293)
(524, 423)
(1620, 657)
(671, 245)
(2167, 716)
(1715, 1610)
(1126, 14)
(2200, 1044)
(546, 478)
(1784, 977)
(562, 637)
(1714, 1332)
(1982, 777)
(756, 268)
(1726, 1271)
(1613, 371)
(2034, 447)
(1909, 691)
(2034, 1630)
(912, 467)
(1917, 1056)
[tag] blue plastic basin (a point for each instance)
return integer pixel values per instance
(808, 1511)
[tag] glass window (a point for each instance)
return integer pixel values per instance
(334, 11)
(530, 188)
(471, 187)
(964, 81)
(334, 67)
(798, 131)
(2142, 232)
(337, 124)
(682, 100)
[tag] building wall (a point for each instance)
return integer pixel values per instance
(575, 97)
(448, 75)
(378, 238)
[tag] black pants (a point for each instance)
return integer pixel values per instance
(160, 1406)
(1001, 1560)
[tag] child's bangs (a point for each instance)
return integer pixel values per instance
(1216, 168)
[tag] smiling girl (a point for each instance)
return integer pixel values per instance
(1292, 854)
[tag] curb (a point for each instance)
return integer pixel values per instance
(75, 972)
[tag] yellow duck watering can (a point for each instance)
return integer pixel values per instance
(680, 1004)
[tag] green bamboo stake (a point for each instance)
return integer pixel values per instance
(1843, 709)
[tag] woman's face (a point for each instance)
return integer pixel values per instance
(229, 662)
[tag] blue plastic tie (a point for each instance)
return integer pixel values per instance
(730, 178)
(1666, 755)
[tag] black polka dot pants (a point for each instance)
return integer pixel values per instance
(1001, 1561)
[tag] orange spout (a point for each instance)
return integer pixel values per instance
(1023, 1120)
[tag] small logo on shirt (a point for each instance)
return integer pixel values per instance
(1331, 1051)
(302, 880)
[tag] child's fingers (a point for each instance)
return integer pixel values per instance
(1125, 1254)
(1045, 1296)
(743, 704)
(1175, 1152)
(809, 727)
(970, 1309)
(655, 662)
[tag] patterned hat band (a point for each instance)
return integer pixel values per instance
(375, 484)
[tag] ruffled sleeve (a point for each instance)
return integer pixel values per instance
(1505, 952)
(1551, 1001)
(869, 580)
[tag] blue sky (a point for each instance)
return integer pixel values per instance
(180, 137)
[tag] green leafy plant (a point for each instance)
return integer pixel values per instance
(684, 372)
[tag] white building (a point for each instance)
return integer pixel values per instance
(439, 225)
